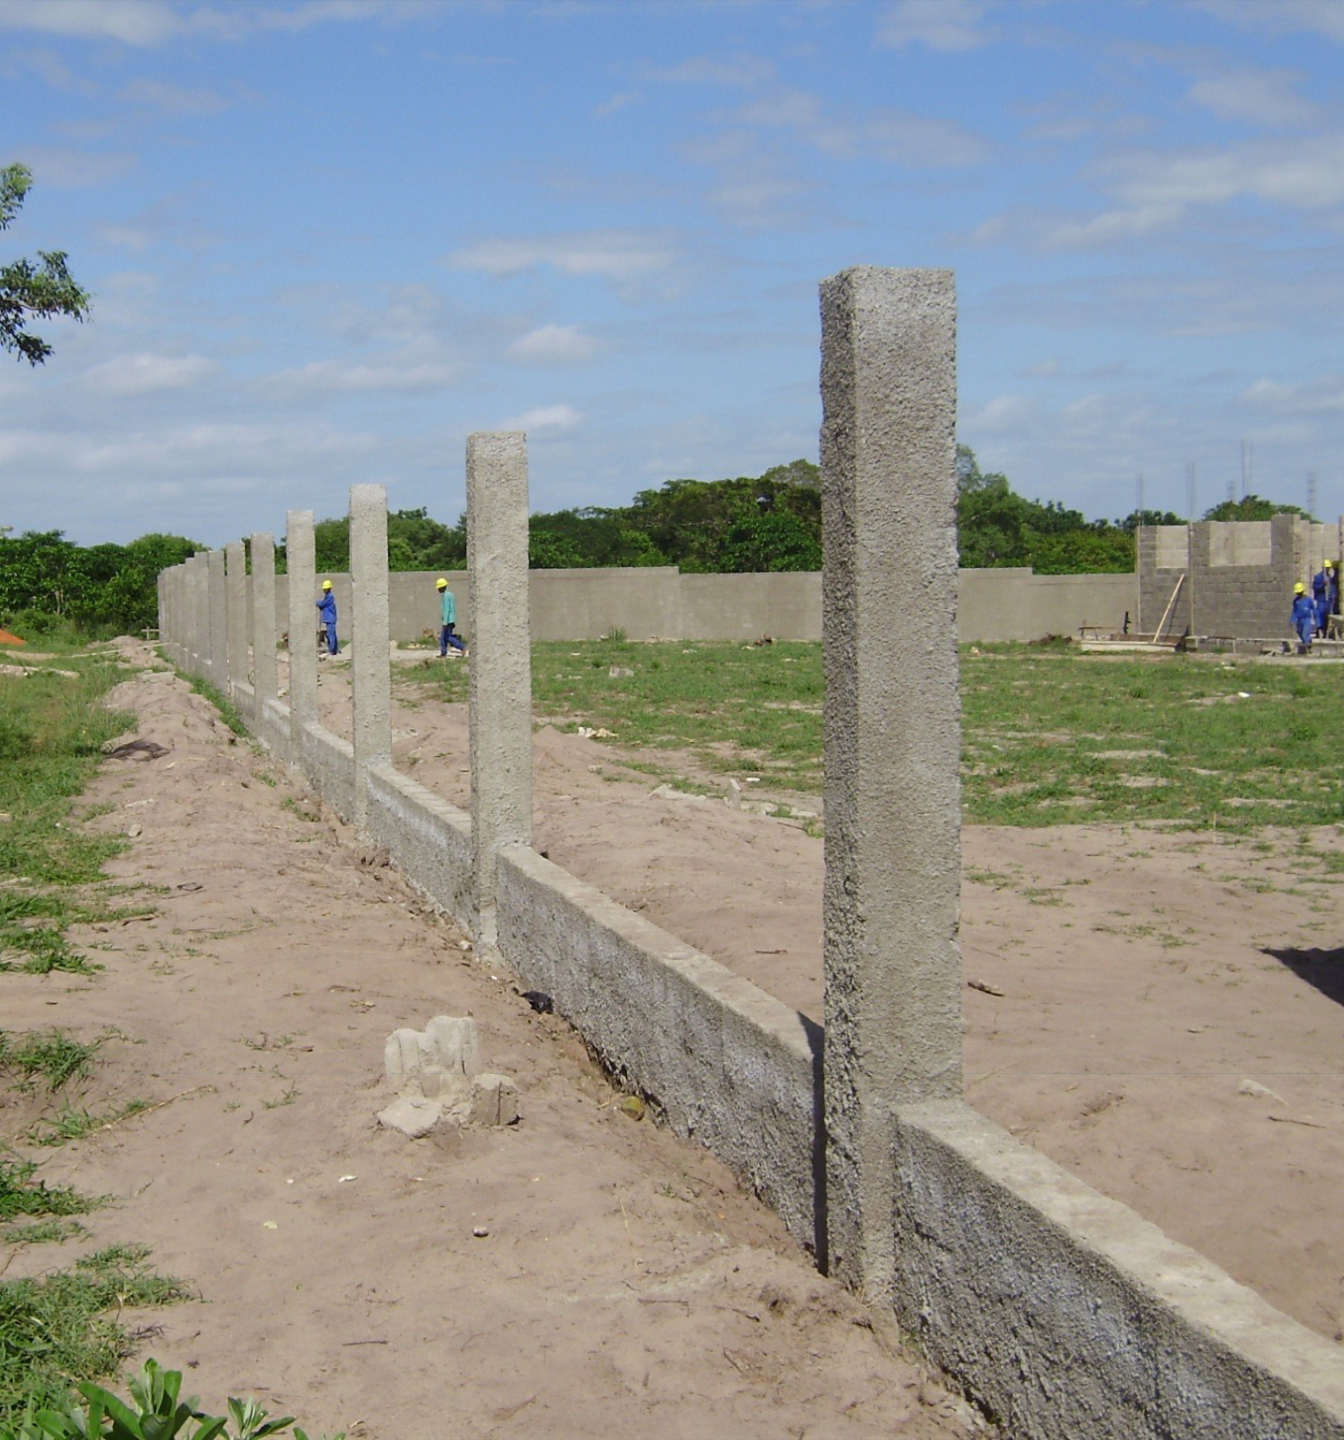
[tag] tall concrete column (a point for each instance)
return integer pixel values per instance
(371, 668)
(235, 612)
(892, 737)
(265, 673)
(200, 615)
(501, 661)
(299, 561)
(219, 651)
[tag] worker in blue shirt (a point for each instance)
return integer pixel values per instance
(448, 620)
(1304, 617)
(326, 610)
(1325, 594)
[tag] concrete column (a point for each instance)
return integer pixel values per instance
(235, 613)
(302, 623)
(501, 661)
(219, 656)
(371, 667)
(263, 621)
(200, 615)
(892, 737)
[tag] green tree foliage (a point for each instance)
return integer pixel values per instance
(414, 542)
(31, 291)
(997, 527)
(1252, 507)
(46, 579)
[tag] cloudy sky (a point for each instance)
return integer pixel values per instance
(327, 239)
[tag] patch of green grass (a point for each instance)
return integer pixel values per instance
(64, 1327)
(77, 1123)
(19, 1195)
(228, 711)
(51, 1056)
(52, 731)
(1050, 736)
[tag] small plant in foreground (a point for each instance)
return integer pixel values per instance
(157, 1414)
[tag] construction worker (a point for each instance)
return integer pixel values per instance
(326, 611)
(1325, 594)
(1304, 617)
(448, 620)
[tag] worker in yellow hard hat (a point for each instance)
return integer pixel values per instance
(1304, 617)
(1325, 593)
(448, 636)
(326, 610)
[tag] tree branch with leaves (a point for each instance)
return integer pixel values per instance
(31, 291)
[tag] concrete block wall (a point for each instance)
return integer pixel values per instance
(660, 602)
(1239, 576)
(1060, 1311)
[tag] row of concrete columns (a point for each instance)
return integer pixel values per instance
(892, 719)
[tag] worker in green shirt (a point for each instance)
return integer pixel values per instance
(448, 635)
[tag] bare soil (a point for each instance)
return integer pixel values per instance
(1159, 1011)
(577, 1274)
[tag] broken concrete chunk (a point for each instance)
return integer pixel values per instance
(413, 1115)
(494, 1100)
(453, 1044)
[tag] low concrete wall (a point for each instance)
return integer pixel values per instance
(1067, 1314)
(661, 602)
(723, 1062)
(428, 839)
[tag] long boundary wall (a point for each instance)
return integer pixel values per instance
(659, 602)
(1059, 1310)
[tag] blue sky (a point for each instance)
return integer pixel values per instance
(328, 239)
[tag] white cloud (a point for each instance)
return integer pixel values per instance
(1324, 396)
(744, 73)
(75, 169)
(133, 22)
(173, 99)
(922, 140)
(334, 377)
(617, 255)
(150, 23)
(146, 374)
(1262, 97)
(544, 417)
(953, 25)
(1282, 17)
(554, 345)
(1303, 172)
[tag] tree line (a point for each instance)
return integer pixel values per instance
(767, 522)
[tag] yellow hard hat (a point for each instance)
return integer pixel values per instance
(326, 584)
(441, 583)
(1299, 588)
(1329, 564)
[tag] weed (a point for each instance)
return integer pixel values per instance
(53, 1056)
(157, 1413)
(77, 1123)
(57, 1329)
(228, 711)
(288, 1098)
(19, 1195)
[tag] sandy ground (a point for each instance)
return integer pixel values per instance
(622, 1283)
(1170, 1017)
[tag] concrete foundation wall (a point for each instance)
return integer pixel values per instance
(723, 1062)
(1068, 1314)
(428, 839)
(661, 602)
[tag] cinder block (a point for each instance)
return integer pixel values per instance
(494, 1100)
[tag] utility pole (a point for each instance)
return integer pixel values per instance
(1311, 494)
